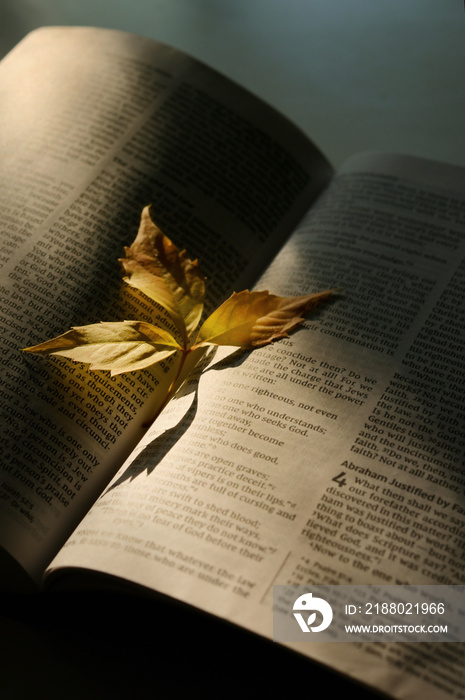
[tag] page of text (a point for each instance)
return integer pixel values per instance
(95, 125)
(334, 456)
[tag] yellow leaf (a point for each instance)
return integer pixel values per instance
(155, 266)
(119, 347)
(251, 319)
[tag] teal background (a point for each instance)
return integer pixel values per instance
(353, 74)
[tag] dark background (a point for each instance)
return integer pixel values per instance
(98, 645)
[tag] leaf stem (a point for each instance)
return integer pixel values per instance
(172, 390)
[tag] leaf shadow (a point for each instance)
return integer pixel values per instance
(234, 359)
(149, 458)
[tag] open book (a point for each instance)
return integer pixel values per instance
(334, 456)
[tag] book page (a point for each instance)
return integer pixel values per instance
(334, 456)
(94, 126)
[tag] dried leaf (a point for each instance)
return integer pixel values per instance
(251, 319)
(155, 266)
(120, 346)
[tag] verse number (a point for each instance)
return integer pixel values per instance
(339, 479)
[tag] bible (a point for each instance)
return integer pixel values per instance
(333, 456)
